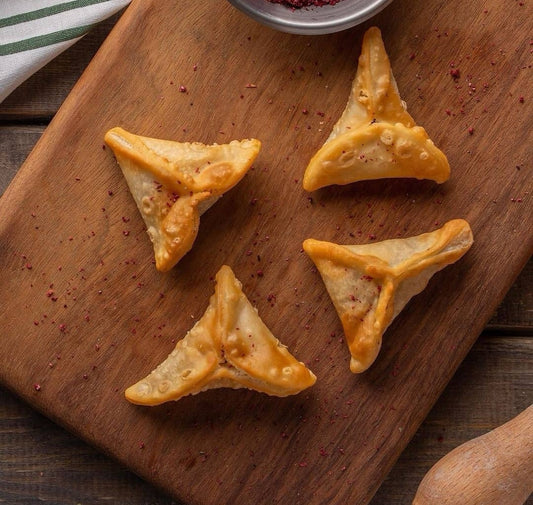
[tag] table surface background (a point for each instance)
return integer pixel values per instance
(41, 463)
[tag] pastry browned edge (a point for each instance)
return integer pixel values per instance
(229, 346)
(375, 137)
(173, 183)
(370, 284)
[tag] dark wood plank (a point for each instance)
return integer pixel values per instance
(42, 464)
(15, 145)
(515, 313)
(493, 385)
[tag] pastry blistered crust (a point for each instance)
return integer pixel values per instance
(229, 346)
(375, 136)
(370, 284)
(173, 183)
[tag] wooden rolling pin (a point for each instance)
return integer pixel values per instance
(493, 469)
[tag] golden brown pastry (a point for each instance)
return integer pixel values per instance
(370, 284)
(375, 137)
(173, 183)
(229, 346)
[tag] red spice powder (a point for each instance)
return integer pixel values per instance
(304, 3)
(455, 73)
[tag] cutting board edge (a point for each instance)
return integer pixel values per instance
(396, 451)
(16, 191)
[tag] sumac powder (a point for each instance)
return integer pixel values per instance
(304, 3)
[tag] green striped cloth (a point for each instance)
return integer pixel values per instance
(33, 32)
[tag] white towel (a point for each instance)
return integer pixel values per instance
(33, 32)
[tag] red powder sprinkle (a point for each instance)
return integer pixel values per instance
(412, 56)
(471, 131)
(28, 266)
(260, 273)
(37, 386)
(455, 73)
(521, 99)
(183, 89)
(62, 328)
(304, 3)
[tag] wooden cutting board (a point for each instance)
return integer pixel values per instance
(85, 314)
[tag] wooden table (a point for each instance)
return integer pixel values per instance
(41, 463)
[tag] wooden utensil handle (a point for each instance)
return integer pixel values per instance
(493, 469)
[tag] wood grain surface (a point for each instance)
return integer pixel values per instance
(84, 395)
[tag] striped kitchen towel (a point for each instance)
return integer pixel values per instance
(33, 32)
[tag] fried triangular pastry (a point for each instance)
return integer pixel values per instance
(173, 183)
(370, 284)
(229, 346)
(375, 137)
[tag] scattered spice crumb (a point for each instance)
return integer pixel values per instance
(455, 73)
